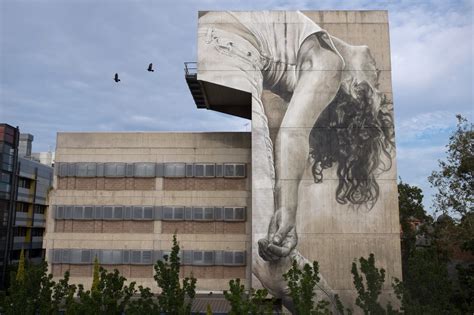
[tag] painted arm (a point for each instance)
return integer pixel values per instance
(319, 75)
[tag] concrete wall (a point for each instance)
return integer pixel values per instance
(323, 156)
(154, 235)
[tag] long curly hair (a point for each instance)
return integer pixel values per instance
(355, 131)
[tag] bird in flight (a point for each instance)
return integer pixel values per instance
(150, 68)
(116, 78)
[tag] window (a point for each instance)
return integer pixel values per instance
(21, 207)
(59, 215)
(114, 169)
(173, 213)
(24, 182)
(88, 212)
(234, 214)
(175, 170)
(234, 170)
(219, 170)
(137, 213)
(189, 170)
(144, 170)
(118, 212)
(110, 257)
(71, 169)
(98, 213)
(40, 209)
(86, 169)
(69, 212)
(19, 231)
(77, 215)
(209, 214)
(198, 170)
(204, 170)
(198, 213)
(218, 213)
(107, 212)
(234, 258)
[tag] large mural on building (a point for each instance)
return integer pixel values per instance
(321, 141)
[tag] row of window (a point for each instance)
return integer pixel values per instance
(147, 257)
(90, 169)
(165, 213)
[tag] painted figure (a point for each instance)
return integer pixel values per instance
(334, 116)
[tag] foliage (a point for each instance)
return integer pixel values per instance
(455, 179)
(95, 275)
(145, 304)
(369, 292)
(208, 309)
(20, 274)
(109, 297)
(426, 288)
(174, 298)
(24, 291)
(410, 200)
(301, 285)
(252, 302)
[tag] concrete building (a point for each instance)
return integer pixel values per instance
(24, 187)
(121, 196)
(314, 180)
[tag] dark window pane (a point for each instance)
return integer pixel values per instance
(229, 170)
(198, 213)
(210, 170)
(167, 213)
(198, 170)
(229, 214)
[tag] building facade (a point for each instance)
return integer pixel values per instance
(315, 179)
(24, 188)
(317, 87)
(122, 196)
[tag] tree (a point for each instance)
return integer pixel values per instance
(145, 304)
(20, 274)
(369, 287)
(175, 298)
(253, 302)
(110, 296)
(426, 288)
(301, 285)
(410, 201)
(455, 179)
(95, 275)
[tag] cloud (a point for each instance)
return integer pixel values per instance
(58, 59)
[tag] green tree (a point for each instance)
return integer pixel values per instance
(144, 304)
(426, 288)
(410, 200)
(175, 298)
(20, 274)
(241, 301)
(95, 275)
(455, 179)
(302, 284)
(369, 284)
(111, 295)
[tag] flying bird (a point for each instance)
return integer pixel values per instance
(116, 78)
(150, 68)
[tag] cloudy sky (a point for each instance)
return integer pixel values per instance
(57, 60)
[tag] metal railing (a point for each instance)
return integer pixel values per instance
(190, 68)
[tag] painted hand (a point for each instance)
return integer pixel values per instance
(280, 241)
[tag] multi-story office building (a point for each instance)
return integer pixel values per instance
(24, 187)
(121, 197)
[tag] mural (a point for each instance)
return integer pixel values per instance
(334, 117)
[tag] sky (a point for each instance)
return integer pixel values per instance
(58, 58)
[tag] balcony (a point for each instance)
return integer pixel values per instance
(217, 97)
